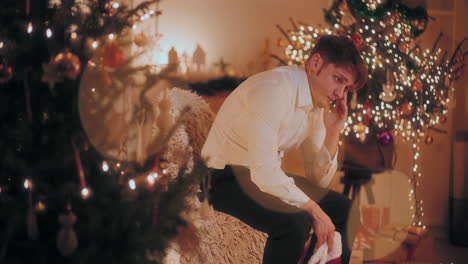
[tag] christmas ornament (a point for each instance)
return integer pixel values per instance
(6, 73)
(357, 40)
(343, 6)
(417, 85)
(443, 119)
(67, 64)
(113, 56)
(353, 103)
(385, 138)
(67, 241)
(64, 65)
(406, 108)
(403, 47)
(140, 39)
(428, 140)
(347, 19)
(368, 114)
(105, 80)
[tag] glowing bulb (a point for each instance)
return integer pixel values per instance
(85, 193)
(74, 35)
(164, 171)
(27, 184)
(49, 33)
(132, 184)
(105, 166)
(30, 28)
(95, 44)
(111, 36)
(115, 5)
(1, 44)
(150, 179)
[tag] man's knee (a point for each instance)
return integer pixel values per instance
(296, 228)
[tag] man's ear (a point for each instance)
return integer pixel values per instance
(314, 63)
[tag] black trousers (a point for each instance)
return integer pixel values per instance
(233, 192)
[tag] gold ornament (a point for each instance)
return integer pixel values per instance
(140, 39)
(428, 140)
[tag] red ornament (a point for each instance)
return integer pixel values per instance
(417, 85)
(406, 108)
(66, 64)
(357, 39)
(368, 109)
(113, 56)
(105, 80)
(6, 73)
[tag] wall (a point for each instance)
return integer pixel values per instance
(236, 31)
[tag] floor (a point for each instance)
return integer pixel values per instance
(444, 251)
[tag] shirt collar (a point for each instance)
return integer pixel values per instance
(304, 96)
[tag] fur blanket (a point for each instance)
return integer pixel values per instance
(223, 238)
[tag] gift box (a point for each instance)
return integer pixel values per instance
(375, 217)
(397, 244)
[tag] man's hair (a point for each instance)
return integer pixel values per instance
(341, 51)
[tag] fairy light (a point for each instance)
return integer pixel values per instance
(132, 184)
(30, 28)
(111, 36)
(94, 45)
(1, 44)
(27, 184)
(48, 33)
(105, 166)
(85, 193)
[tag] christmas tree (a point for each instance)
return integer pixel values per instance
(65, 197)
(409, 90)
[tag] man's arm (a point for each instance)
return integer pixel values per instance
(267, 104)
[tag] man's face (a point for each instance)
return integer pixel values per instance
(327, 81)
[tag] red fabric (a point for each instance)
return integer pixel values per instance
(335, 261)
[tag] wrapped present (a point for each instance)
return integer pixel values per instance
(399, 243)
(375, 217)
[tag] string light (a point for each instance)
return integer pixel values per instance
(132, 184)
(30, 28)
(1, 44)
(27, 184)
(105, 166)
(48, 33)
(85, 193)
(94, 44)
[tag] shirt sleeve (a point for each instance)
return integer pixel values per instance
(319, 166)
(267, 105)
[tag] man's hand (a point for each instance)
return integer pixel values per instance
(335, 119)
(324, 229)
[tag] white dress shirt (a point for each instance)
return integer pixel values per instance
(268, 114)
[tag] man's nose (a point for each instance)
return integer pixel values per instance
(339, 92)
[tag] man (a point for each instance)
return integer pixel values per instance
(276, 111)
